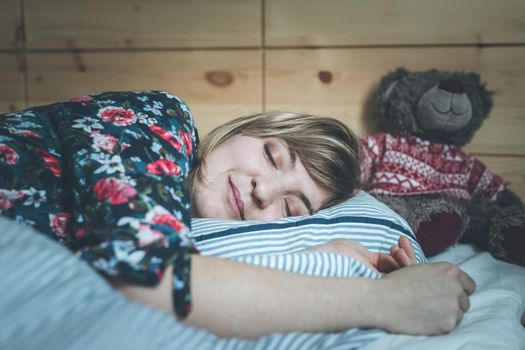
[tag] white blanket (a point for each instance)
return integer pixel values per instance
(496, 317)
(51, 300)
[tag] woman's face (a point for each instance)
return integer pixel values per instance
(249, 178)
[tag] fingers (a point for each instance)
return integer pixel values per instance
(464, 306)
(464, 303)
(468, 284)
(459, 317)
(403, 253)
(404, 243)
(383, 262)
(400, 256)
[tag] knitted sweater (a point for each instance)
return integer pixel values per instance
(408, 165)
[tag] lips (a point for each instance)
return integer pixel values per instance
(235, 201)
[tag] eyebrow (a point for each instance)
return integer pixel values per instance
(306, 203)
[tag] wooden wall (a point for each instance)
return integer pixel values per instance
(231, 57)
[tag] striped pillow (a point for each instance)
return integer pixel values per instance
(361, 218)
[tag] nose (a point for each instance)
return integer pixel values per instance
(265, 190)
(452, 85)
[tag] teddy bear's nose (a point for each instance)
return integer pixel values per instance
(452, 85)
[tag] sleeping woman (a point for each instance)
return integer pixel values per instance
(116, 178)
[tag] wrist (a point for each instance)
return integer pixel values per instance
(360, 304)
(376, 304)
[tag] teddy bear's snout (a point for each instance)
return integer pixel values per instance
(445, 107)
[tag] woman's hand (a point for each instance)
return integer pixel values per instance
(424, 299)
(400, 256)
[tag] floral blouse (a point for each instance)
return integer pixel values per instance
(104, 174)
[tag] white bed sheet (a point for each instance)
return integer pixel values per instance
(61, 303)
(497, 315)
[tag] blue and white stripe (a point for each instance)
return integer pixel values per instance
(279, 245)
(362, 218)
(320, 264)
(62, 303)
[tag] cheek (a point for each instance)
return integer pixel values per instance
(200, 206)
(271, 213)
(206, 201)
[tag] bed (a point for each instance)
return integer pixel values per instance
(52, 300)
(497, 316)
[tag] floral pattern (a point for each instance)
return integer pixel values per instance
(104, 175)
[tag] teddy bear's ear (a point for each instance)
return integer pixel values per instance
(389, 82)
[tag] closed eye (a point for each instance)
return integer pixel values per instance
(293, 207)
(269, 156)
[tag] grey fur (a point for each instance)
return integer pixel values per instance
(486, 222)
(398, 103)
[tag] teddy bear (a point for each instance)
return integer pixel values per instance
(418, 169)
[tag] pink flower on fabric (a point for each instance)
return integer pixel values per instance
(168, 219)
(117, 115)
(103, 141)
(186, 138)
(85, 98)
(160, 216)
(166, 136)
(24, 133)
(114, 191)
(8, 197)
(163, 166)
(59, 222)
(11, 156)
(50, 161)
(29, 133)
(146, 235)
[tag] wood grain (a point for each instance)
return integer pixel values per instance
(70, 24)
(217, 85)
(295, 81)
(323, 57)
(10, 22)
(11, 83)
(393, 22)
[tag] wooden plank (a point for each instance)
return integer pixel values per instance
(294, 81)
(66, 24)
(11, 83)
(511, 169)
(10, 24)
(393, 22)
(217, 85)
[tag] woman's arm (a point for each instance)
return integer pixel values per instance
(235, 299)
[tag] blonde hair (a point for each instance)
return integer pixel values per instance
(328, 149)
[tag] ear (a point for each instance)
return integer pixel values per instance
(389, 82)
